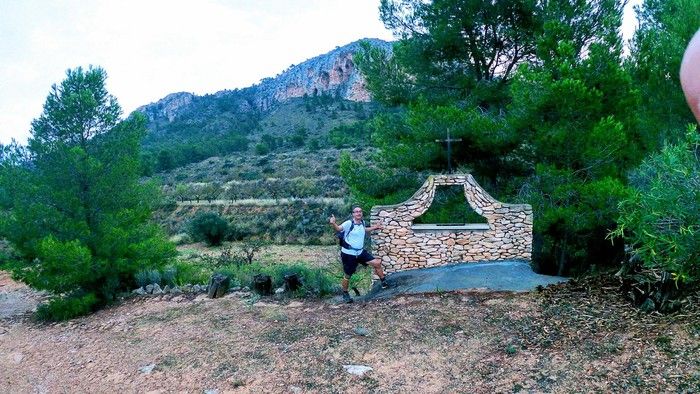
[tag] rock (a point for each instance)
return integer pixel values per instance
(295, 304)
(218, 285)
(295, 389)
(292, 282)
(262, 284)
(246, 288)
(178, 299)
(175, 290)
(139, 291)
(156, 289)
(196, 289)
(234, 289)
(361, 331)
(279, 290)
(211, 391)
(149, 289)
(166, 289)
(147, 369)
(357, 370)
(17, 357)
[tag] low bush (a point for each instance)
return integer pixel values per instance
(316, 282)
(209, 227)
(65, 308)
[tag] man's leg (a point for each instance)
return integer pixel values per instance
(349, 267)
(376, 264)
(345, 283)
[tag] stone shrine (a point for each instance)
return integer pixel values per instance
(402, 245)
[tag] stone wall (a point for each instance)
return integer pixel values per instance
(401, 245)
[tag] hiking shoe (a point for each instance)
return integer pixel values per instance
(346, 298)
(384, 283)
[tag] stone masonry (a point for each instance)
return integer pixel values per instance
(401, 245)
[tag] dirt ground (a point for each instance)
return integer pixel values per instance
(569, 338)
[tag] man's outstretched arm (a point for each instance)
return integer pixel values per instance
(690, 75)
(335, 225)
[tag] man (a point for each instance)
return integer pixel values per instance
(354, 231)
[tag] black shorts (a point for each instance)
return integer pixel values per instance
(350, 262)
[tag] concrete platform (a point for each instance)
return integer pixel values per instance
(508, 275)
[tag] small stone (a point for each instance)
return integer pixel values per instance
(175, 290)
(361, 331)
(246, 288)
(357, 370)
(17, 358)
(295, 389)
(166, 289)
(149, 289)
(139, 291)
(279, 290)
(237, 288)
(147, 369)
(156, 289)
(196, 289)
(211, 391)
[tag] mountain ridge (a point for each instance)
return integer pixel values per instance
(333, 73)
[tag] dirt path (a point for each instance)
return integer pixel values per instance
(557, 341)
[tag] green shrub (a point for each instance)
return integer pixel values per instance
(188, 272)
(65, 308)
(141, 278)
(170, 275)
(661, 218)
(154, 277)
(209, 227)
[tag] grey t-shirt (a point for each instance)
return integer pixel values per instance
(355, 238)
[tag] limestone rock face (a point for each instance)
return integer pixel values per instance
(168, 107)
(333, 73)
(402, 246)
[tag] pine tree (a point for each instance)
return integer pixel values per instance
(78, 215)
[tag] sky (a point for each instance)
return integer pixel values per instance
(151, 48)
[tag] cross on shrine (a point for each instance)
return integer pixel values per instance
(449, 149)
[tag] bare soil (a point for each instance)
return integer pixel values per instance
(567, 338)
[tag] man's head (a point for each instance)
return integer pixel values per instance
(357, 212)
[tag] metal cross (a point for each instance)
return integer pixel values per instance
(449, 149)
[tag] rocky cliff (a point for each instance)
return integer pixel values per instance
(333, 73)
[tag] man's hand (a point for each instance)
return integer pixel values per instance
(375, 227)
(331, 220)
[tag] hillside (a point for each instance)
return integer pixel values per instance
(292, 160)
(185, 128)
